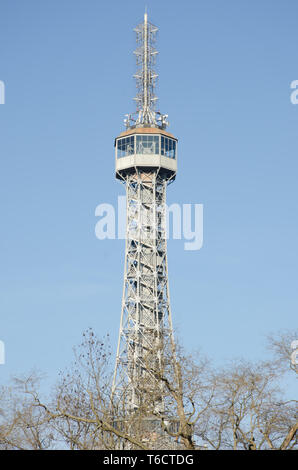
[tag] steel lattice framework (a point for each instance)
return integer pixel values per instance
(146, 317)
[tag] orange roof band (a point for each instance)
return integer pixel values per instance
(146, 130)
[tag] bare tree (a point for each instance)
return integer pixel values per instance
(249, 411)
(22, 424)
(281, 347)
(85, 415)
(184, 404)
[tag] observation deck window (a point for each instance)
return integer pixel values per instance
(147, 144)
(168, 147)
(125, 147)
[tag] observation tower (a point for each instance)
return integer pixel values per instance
(146, 163)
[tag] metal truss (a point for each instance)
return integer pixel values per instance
(146, 317)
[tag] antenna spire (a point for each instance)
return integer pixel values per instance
(146, 78)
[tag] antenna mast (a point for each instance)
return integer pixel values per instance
(146, 78)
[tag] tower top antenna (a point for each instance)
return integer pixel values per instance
(146, 77)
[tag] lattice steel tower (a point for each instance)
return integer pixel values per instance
(146, 162)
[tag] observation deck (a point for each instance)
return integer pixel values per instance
(147, 148)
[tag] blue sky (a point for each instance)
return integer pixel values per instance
(225, 69)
